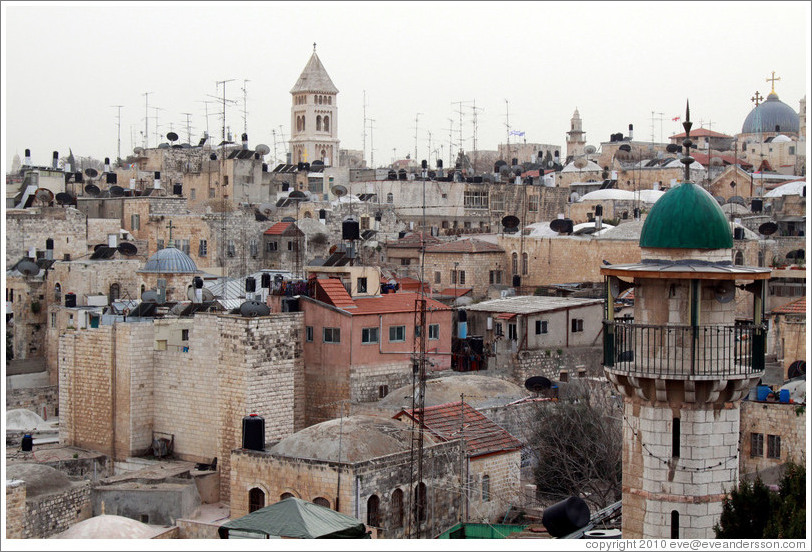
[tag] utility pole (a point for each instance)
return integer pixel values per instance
(118, 125)
(146, 118)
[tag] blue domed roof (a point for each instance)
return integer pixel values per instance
(772, 112)
(170, 261)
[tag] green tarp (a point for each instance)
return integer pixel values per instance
(297, 519)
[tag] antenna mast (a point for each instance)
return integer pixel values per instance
(146, 118)
(415, 135)
(157, 134)
(188, 127)
(371, 147)
(474, 149)
(118, 125)
(364, 133)
(244, 105)
(507, 125)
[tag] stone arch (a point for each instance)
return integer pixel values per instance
(397, 508)
(514, 263)
(374, 511)
(256, 499)
(321, 501)
(57, 292)
(738, 258)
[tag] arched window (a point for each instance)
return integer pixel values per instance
(674, 524)
(525, 264)
(308, 215)
(283, 496)
(304, 123)
(326, 123)
(420, 502)
(373, 510)
(57, 292)
(318, 122)
(329, 100)
(738, 259)
(321, 501)
(115, 292)
(397, 508)
(256, 499)
(390, 198)
(486, 488)
(515, 262)
(324, 156)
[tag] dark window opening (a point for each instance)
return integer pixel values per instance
(256, 499)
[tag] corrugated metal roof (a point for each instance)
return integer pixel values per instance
(530, 304)
(459, 420)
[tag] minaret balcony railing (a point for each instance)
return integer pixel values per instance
(683, 352)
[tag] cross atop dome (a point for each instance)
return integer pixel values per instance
(773, 79)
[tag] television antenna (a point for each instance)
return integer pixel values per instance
(416, 117)
(118, 125)
(157, 134)
(146, 118)
(245, 105)
(188, 127)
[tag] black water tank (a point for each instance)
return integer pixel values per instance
(78, 177)
(738, 233)
(198, 281)
(290, 304)
(567, 226)
(392, 175)
(350, 230)
(517, 280)
(598, 210)
(27, 444)
(462, 316)
(265, 280)
(565, 517)
(70, 299)
(177, 189)
(253, 432)
(250, 284)
(439, 163)
(112, 178)
(756, 205)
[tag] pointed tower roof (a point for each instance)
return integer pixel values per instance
(314, 78)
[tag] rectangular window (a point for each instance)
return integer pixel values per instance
(369, 336)
(462, 277)
(225, 180)
(231, 248)
(541, 327)
(495, 277)
(192, 194)
(434, 331)
(756, 445)
(362, 285)
(405, 262)
(53, 320)
(184, 246)
(211, 193)
(397, 334)
(577, 325)
(383, 390)
(364, 223)
(438, 277)
(290, 246)
(498, 201)
(202, 248)
(135, 221)
(497, 328)
(160, 244)
(331, 335)
(253, 247)
(184, 335)
(513, 332)
(533, 204)
(773, 446)
(453, 276)
(271, 246)
(475, 200)
(309, 334)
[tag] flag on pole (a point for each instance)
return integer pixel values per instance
(517, 133)
(676, 118)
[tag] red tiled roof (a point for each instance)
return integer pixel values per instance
(456, 292)
(702, 159)
(333, 292)
(795, 307)
(506, 315)
(277, 229)
(393, 302)
(481, 435)
(702, 132)
(465, 246)
(413, 240)
(535, 173)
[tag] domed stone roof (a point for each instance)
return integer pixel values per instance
(362, 438)
(686, 217)
(479, 392)
(39, 478)
(772, 112)
(108, 527)
(781, 138)
(170, 260)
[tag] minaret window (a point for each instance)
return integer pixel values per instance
(326, 123)
(318, 122)
(675, 438)
(674, 524)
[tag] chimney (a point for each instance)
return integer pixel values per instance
(27, 157)
(106, 164)
(55, 163)
(157, 182)
(631, 131)
(49, 249)
(244, 141)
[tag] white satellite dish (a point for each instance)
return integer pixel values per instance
(589, 150)
(339, 190)
(262, 149)
(580, 163)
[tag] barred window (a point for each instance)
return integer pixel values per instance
(397, 334)
(331, 335)
(369, 335)
(498, 201)
(773, 446)
(202, 248)
(475, 200)
(533, 204)
(756, 445)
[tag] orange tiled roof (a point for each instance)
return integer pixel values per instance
(795, 307)
(277, 229)
(456, 292)
(333, 292)
(702, 132)
(393, 302)
(482, 436)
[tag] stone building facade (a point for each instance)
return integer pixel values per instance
(770, 434)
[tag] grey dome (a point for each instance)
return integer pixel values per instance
(170, 261)
(772, 112)
(39, 479)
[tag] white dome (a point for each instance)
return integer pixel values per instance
(791, 188)
(781, 138)
(590, 166)
(108, 527)
(21, 419)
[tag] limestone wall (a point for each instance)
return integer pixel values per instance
(15, 509)
(50, 514)
(503, 488)
(786, 421)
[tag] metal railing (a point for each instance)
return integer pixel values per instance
(683, 351)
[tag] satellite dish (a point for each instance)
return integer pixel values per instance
(262, 149)
(768, 229)
(128, 249)
(796, 369)
(92, 190)
(206, 294)
(90, 172)
(719, 199)
(149, 296)
(64, 198)
(589, 150)
(558, 225)
(339, 190)
(716, 161)
(725, 291)
(99, 246)
(44, 195)
(580, 163)
(537, 384)
(618, 286)
(163, 145)
(288, 219)
(116, 191)
(254, 308)
(625, 147)
(510, 221)
(171, 136)
(737, 199)
(138, 151)
(672, 148)
(28, 267)
(297, 194)
(267, 209)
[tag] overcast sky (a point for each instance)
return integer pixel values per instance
(65, 65)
